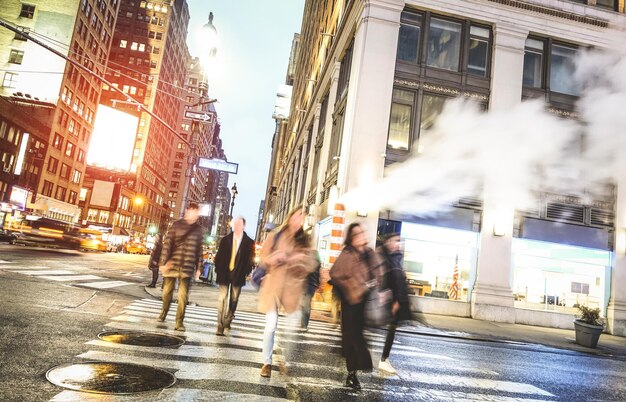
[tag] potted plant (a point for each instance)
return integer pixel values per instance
(588, 326)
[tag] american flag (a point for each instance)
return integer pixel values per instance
(453, 293)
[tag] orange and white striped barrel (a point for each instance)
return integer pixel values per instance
(336, 232)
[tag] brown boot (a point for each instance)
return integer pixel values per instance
(266, 370)
(179, 327)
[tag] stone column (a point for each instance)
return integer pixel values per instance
(492, 297)
(370, 91)
(616, 311)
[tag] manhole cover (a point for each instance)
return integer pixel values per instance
(141, 338)
(110, 378)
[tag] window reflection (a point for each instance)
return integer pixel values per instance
(562, 69)
(409, 37)
(444, 44)
(400, 121)
(533, 62)
(478, 51)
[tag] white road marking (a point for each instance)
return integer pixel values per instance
(104, 285)
(45, 272)
(67, 278)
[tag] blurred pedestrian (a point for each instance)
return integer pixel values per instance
(394, 278)
(353, 272)
(155, 256)
(312, 283)
(288, 259)
(233, 262)
(180, 258)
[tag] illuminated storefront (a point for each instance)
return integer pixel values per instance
(559, 277)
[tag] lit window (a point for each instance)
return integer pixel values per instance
(133, 46)
(123, 43)
(444, 44)
(400, 121)
(16, 56)
(142, 47)
(10, 80)
(27, 11)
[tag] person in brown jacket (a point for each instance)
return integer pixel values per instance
(353, 273)
(288, 259)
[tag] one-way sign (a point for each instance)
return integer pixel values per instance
(206, 117)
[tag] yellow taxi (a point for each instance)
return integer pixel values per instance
(136, 247)
(91, 239)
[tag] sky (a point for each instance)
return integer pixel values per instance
(254, 43)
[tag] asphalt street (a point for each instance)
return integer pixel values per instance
(55, 303)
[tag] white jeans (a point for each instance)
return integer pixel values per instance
(271, 322)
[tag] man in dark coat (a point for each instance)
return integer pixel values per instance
(394, 279)
(155, 256)
(233, 262)
(180, 258)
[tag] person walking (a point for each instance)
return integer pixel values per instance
(180, 258)
(312, 283)
(233, 262)
(394, 279)
(353, 272)
(155, 256)
(288, 259)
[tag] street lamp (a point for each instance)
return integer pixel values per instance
(234, 193)
(207, 42)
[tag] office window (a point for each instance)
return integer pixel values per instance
(60, 194)
(142, 47)
(81, 156)
(58, 141)
(562, 68)
(478, 56)
(53, 165)
(444, 44)
(28, 11)
(409, 39)
(400, 121)
(133, 46)
(65, 171)
(76, 177)
(73, 197)
(69, 149)
(47, 188)
(533, 63)
(16, 56)
(17, 36)
(123, 43)
(9, 80)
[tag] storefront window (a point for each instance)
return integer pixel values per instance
(558, 277)
(444, 44)
(439, 262)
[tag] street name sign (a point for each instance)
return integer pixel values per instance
(218, 164)
(203, 116)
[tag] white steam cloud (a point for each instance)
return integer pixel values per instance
(513, 154)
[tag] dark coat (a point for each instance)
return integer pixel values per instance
(186, 253)
(394, 278)
(243, 261)
(155, 255)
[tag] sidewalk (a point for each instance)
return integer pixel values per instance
(205, 295)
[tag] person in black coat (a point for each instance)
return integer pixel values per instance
(233, 262)
(394, 279)
(155, 256)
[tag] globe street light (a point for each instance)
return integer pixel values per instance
(207, 42)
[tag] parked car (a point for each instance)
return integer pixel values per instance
(6, 236)
(136, 248)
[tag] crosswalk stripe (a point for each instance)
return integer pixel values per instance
(67, 278)
(43, 272)
(104, 285)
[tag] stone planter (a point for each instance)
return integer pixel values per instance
(587, 334)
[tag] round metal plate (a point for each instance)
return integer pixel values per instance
(110, 378)
(136, 338)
